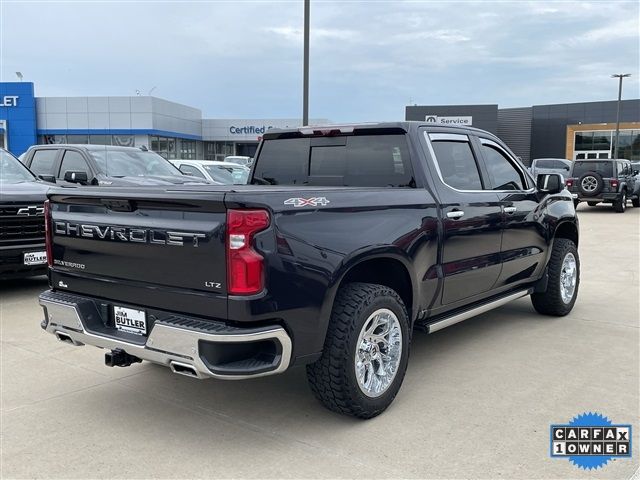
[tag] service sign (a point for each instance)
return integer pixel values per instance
(463, 120)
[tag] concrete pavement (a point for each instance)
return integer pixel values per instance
(477, 400)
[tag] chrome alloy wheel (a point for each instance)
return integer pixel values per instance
(589, 183)
(568, 277)
(378, 352)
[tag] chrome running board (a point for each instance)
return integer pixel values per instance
(459, 317)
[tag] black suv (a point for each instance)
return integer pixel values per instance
(604, 181)
(103, 165)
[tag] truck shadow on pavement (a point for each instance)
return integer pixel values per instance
(274, 402)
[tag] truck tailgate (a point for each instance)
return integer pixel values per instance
(155, 246)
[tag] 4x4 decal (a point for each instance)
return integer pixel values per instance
(307, 202)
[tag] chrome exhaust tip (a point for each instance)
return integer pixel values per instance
(184, 369)
(64, 337)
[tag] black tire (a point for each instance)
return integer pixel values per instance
(592, 204)
(550, 302)
(333, 377)
(635, 202)
(595, 177)
(620, 205)
(576, 203)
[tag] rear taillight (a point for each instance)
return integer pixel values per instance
(569, 182)
(614, 184)
(48, 232)
(245, 266)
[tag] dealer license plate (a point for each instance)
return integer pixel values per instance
(130, 320)
(35, 258)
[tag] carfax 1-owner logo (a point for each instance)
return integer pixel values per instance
(590, 440)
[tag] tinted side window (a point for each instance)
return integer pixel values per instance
(365, 161)
(457, 164)
(73, 162)
(191, 170)
(283, 162)
(42, 163)
(502, 173)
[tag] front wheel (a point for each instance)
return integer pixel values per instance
(621, 205)
(365, 353)
(636, 201)
(563, 281)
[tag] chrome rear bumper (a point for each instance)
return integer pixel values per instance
(175, 346)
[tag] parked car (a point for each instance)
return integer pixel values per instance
(22, 196)
(221, 173)
(604, 181)
(550, 165)
(239, 160)
(347, 239)
(103, 165)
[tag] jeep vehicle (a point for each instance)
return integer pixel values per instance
(104, 165)
(604, 181)
(346, 240)
(22, 196)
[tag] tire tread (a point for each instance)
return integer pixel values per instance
(328, 377)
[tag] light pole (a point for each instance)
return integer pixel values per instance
(305, 75)
(619, 76)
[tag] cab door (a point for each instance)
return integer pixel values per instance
(523, 241)
(471, 218)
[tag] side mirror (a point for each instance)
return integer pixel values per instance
(550, 183)
(47, 178)
(76, 176)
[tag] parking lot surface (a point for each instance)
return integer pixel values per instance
(477, 400)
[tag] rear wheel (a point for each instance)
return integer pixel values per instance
(365, 353)
(575, 203)
(620, 205)
(635, 202)
(563, 281)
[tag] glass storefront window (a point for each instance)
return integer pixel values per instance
(51, 139)
(584, 141)
(218, 150)
(78, 139)
(100, 139)
(123, 140)
(602, 140)
(188, 149)
(164, 146)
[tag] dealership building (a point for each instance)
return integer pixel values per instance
(171, 129)
(572, 130)
(567, 130)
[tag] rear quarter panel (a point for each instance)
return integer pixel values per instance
(308, 250)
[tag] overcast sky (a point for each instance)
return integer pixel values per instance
(368, 59)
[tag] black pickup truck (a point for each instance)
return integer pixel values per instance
(346, 240)
(22, 197)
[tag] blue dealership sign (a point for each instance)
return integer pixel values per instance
(18, 111)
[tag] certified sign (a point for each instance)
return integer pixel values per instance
(465, 120)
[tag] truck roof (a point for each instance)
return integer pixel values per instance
(373, 127)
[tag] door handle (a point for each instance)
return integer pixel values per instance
(510, 210)
(455, 214)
